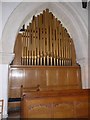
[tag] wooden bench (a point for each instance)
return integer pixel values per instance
(55, 104)
(25, 90)
(1, 109)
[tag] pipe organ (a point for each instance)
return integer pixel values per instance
(46, 42)
(45, 56)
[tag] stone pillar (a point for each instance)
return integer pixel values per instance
(5, 59)
(84, 72)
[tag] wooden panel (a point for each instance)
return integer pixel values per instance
(41, 77)
(55, 104)
(35, 108)
(75, 75)
(62, 76)
(30, 77)
(51, 77)
(82, 109)
(63, 110)
(44, 76)
(16, 79)
(14, 92)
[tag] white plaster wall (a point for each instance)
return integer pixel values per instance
(4, 87)
(0, 25)
(7, 10)
(1, 82)
(0, 18)
(5, 60)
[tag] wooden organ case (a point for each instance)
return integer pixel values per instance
(45, 56)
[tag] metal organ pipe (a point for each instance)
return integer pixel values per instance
(47, 42)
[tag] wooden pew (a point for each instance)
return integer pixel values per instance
(1, 108)
(55, 104)
(25, 90)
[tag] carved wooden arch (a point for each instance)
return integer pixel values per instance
(46, 42)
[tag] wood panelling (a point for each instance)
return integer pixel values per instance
(55, 104)
(41, 77)
(63, 110)
(44, 76)
(49, 78)
(16, 79)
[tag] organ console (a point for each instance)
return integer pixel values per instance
(47, 42)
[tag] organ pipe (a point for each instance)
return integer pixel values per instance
(46, 42)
